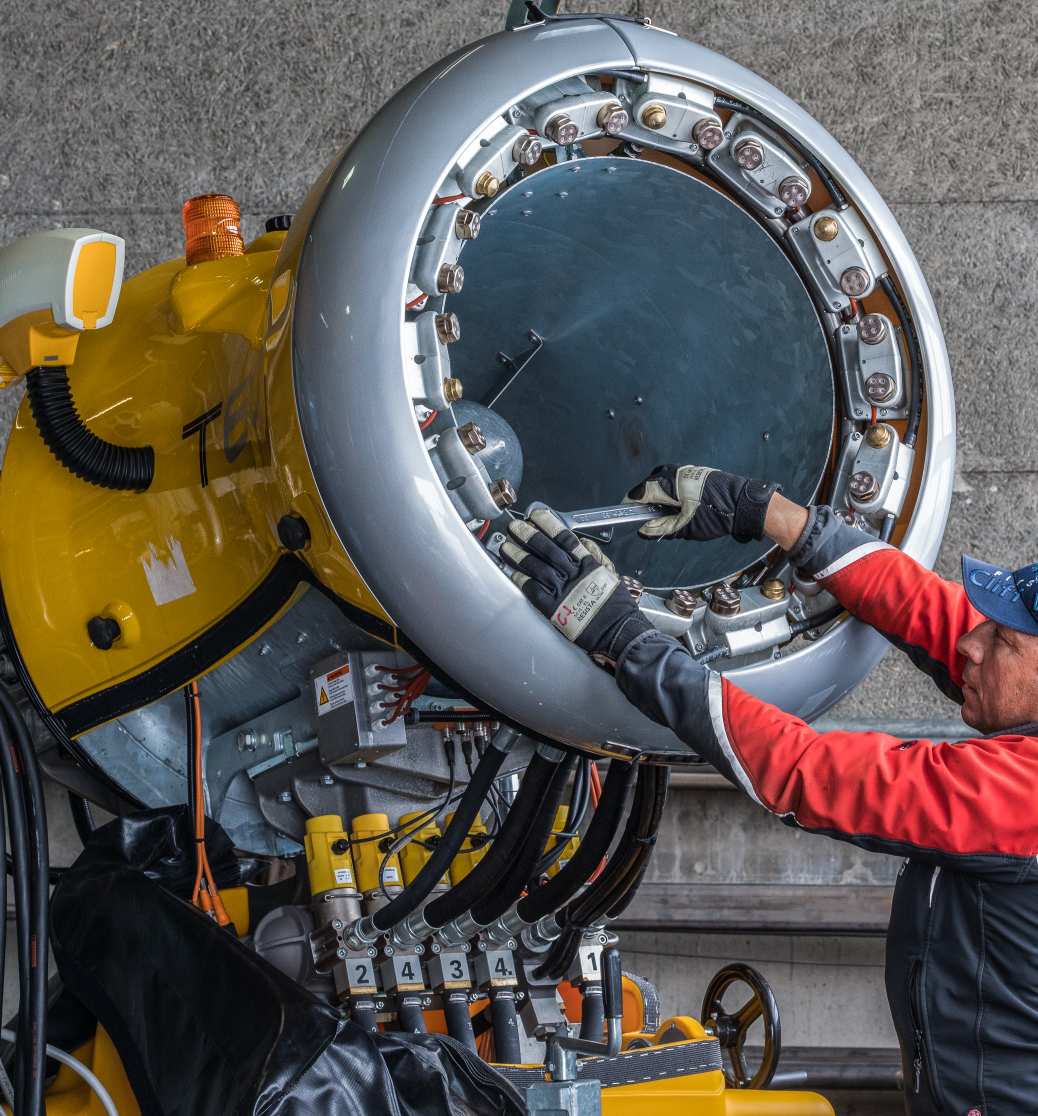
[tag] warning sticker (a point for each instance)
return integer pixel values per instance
(343, 876)
(333, 690)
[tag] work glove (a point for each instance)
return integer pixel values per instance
(571, 582)
(709, 503)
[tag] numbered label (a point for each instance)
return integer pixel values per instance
(360, 974)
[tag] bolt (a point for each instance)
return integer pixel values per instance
(448, 328)
(862, 486)
(725, 601)
(561, 129)
(527, 150)
(612, 118)
(872, 328)
(246, 741)
(503, 494)
(654, 116)
(879, 387)
(293, 532)
(450, 278)
(472, 438)
(327, 781)
(611, 413)
(826, 228)
(264, 649)
(284, 796)
(749, 155)
(453, 389)
(773, 589)
(682, 602)
(633, 586)
(302, 637)
(638, 400)
(793, 192)
(708, 134)
(487, 185)
(855, 281)
(466, 224)
(878, 436)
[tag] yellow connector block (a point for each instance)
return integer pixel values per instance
(473, 849)
(328, 860)
(368, 854)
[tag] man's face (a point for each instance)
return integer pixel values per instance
(1000, 678)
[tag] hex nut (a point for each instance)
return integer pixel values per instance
(472, 438)
(466, 224)
(503, 494)
(448, 328)
(450, 278)
(725, 600)
(683, 602)
(708, 133)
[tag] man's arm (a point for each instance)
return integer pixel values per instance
(915, 609)
(969, 803)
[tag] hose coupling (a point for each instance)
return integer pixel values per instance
(361, 933)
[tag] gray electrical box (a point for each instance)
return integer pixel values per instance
(351, 723)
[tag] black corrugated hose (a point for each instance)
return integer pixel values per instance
(487, 874)
(513, 884)
(23, 792)
(79, 449)
(605, 821)
(454, 836)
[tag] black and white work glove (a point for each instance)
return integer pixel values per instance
(572, 582)
(708, 503)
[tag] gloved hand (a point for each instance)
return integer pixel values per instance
(708, 503)
(572, 582)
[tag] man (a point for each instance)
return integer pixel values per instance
(962, 947)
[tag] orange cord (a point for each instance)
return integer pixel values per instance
(206, 895)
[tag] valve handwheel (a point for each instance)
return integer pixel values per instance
(731, 1028)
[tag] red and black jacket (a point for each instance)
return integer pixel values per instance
(962, 956)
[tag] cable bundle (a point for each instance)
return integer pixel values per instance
(205, 895)
(408, 683)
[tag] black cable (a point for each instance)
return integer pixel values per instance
(580, 796)
(491, 869)
(454, 836)
(812, 622)
(515, 880)
(734, 105)
(32, 1016)
(79, 449)
(558, 890)
(82, 816)
(505, 1023)
(915, 359)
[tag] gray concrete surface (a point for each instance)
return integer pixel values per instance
(113, 114)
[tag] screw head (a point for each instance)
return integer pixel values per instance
(293, 532)
(749, 155)
(503, 494)
(561, 129)
(725, 600)
(472, 438)
(878, 436)
(654, 116)
(862, 486)
(879, 387)
(453, 389)
(682, 602)
(708, 134)
(327, 781)
(613, 118)
(773, 589)
(448, 328)
(527, 150)
(826, 228)
(487, 185)
(794, 191)
(466, 224)
(855, 281)
(872, 328)
(450, 278)
(633, 586)
(284, 796)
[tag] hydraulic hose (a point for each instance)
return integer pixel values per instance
(514, 882)
(454, 836)
(505, 1023)
(409, 1013)
(362, 1013)
(487, 874)
(79, 449)
(592, 1012)
(459, 1021)
(604, 823)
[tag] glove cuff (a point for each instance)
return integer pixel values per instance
(751, 507)
(633, 625)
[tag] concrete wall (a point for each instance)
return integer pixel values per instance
(113, 114)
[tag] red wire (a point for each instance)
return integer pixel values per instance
(482, 533)
(428, 421)
(596, 784)
(414, 302)
(453, 197)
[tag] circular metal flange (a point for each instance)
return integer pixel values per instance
(675, 329)
(387, 505)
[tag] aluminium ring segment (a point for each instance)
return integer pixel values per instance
(352, 401)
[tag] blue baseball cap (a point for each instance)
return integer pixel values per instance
(1010, 599)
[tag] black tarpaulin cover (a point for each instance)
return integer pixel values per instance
(204, 1026)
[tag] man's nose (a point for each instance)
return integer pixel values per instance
(971, 646)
